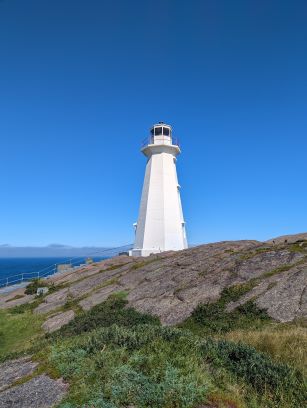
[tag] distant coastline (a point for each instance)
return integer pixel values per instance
(10, 267)
(55, 251)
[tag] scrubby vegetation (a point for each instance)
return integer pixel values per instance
(282, 385)
(286, 343)
(36, 283)
(114, 357)
(212, 318)
(147, 366)
(32, 287)
(105, 314)
(153, 366)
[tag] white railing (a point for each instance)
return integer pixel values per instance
(53, 268)
(151, 139)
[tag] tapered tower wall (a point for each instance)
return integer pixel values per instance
(160, 225)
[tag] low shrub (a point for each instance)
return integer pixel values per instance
(286, 343)
(24, 308)
(153, 366)
(112, 311)
(172, 389)
(144, 366)
(259, 370)
(233, 293)
(214, 319)
(32, 287)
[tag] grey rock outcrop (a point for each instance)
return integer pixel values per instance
(39, 392)
(14, 370)
(36, 392)
(58, 320)
(289, 238)
(171, 284)
(15, 298)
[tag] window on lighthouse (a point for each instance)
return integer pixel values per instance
(158, 131)
(166, 131)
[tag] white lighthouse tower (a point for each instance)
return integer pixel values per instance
(160, 225)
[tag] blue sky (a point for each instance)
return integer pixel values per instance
(82, 82)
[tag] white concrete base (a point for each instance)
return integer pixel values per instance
(143, 252)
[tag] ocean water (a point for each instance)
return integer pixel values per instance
(11, 269)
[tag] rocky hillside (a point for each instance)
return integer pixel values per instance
(216, 289)
(170, 285)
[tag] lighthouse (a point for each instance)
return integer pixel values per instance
(160, 226)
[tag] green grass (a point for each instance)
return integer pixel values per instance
(17, 331)
(283, 268)
(25, 307)
(299, 246)
(146, 365)
(153, 366)
(109, 268)
(276, 271)
(257, 251)
(113, 267)
(286, 343)
(295, 247)
(121, 294)
(72, 303)
(113, 356)
(143, 263)
(264, 249)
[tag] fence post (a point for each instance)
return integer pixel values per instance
(7, 281)
(22, 277)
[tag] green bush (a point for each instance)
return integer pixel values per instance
(112, 311)
(25, 307)
(145, 366)
(213, 318)
(120, 336)
(258, 370)
(172, 389)
(153, 366)
(32, 287)
(138, 362)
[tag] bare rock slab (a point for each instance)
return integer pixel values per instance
(98, 297)
(39, 392)
(15, 298)
(170, 285)
(53, 301)
(14, 370)
(57, 321)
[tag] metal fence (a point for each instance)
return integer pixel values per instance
(25, 276)
(75, 263)
(150, 140)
